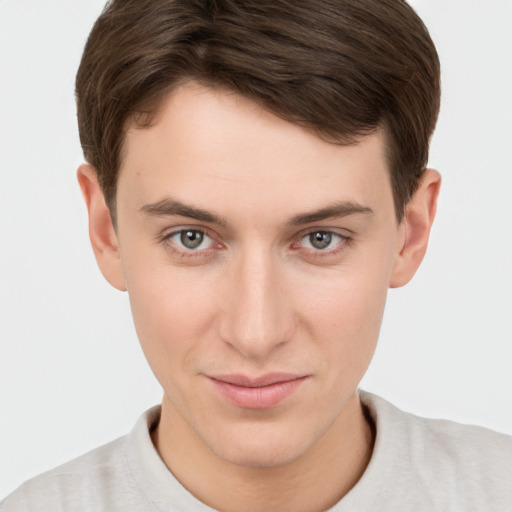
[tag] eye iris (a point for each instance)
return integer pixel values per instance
(320, 239)
(191, 239)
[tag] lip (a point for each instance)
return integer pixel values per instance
(261, 392)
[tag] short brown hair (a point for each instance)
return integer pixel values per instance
(343, 68)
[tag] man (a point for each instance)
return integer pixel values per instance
(256, 181)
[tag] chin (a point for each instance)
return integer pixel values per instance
(255, 446)
(260, 457)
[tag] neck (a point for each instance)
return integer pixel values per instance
(314, 481)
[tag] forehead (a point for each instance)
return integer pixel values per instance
(210, 146)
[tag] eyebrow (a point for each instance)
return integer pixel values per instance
(336, 210)
(170, 207)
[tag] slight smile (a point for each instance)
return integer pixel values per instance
(257, 393)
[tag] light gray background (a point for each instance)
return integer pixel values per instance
(72, 375)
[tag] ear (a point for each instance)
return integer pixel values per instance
(414, 230)
(101, 230)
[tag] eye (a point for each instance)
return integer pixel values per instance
(191, 239)
(322, 240)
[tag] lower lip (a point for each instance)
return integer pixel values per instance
(263, 397)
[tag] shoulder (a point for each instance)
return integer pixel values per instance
(99, 480)
(464, 465)
(448, 441)
(63, 485)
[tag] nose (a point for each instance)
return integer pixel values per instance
(258, 316)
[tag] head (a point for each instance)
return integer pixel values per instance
(256, 181)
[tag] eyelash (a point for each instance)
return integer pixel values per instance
(344, 241)
(188, 253)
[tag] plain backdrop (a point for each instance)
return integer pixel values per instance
(72, 375)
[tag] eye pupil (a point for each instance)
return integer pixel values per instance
(191, 238)
(320, 239)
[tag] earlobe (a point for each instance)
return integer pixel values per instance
(101, 230)
(415, 229)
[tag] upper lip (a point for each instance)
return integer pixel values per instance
(256, 382)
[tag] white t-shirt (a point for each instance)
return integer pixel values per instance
(417, 465)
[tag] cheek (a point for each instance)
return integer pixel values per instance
(344, 315)
(172, 309)
(350, 312)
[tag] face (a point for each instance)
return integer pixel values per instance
(257, 259)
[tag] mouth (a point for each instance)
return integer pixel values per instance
(262, 392)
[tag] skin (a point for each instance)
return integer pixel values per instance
(257, 296)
